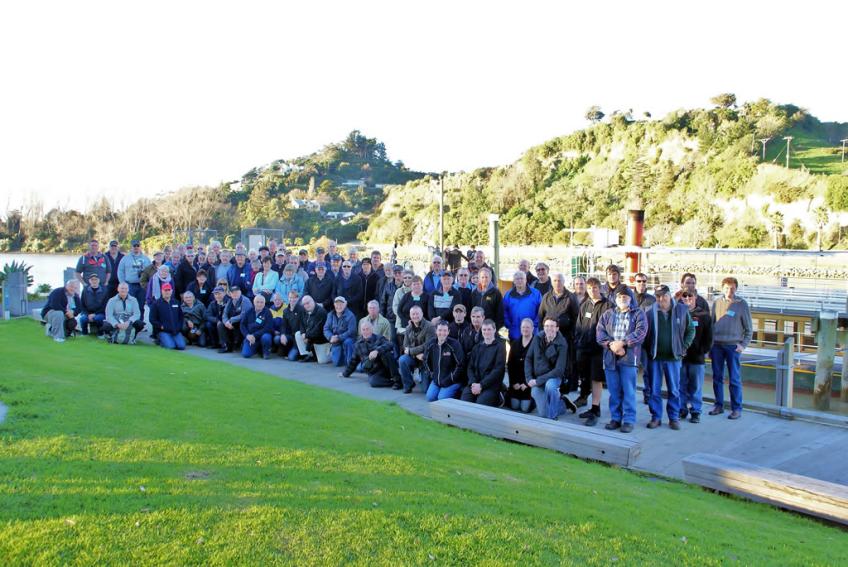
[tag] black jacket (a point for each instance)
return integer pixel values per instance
(491, 301)
(201, 294)
(58, 301)
(320, 290)
(184, 276)
(94, 301)
(215, 311)
(703, 341)
(445, 362)
(291, 320)
(407, 302)
(312, 324)
(546, 360)
(563, 308)
(515, 367)
(468, 337)
(387, 296)
(371, 287)
(361, 351)
(445, 313)
(352, 290)
(487, 364)
(589, 314)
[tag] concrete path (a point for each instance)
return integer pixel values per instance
(800, 447)
(3, 411)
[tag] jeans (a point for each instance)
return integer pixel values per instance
(691, 386)
(547, 397)
(169, 341)
(621, 383)
(670, 370)
(264, 340)
(96, 323)
(722, 355)
(342, 352)
(436, 393)
(139, 293)
(645, 365)
(406, 365)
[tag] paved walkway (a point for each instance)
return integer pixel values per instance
(799, 447)
(3, 411)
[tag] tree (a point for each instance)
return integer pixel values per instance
(836, 196)
(724, 100)
(594, 114)
(821, 216)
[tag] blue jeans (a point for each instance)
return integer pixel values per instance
(140, 295)
(645, 364)
(691, 386)
(406, 365)
(722, 355)
(169, 341)
(621, 383)
(547, 398)
(264, 340)
(96, 323)
(436, 393)
(670, 370)
(341, 353)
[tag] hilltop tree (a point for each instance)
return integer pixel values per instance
(594, 114)
(724, 100)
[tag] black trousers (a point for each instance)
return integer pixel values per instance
(487, 397)
(229, 338)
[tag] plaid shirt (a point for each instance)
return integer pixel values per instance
(622, 325)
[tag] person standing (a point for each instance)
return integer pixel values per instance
(94, 262)
(521, 302)
(130, 272)
(732, 332)
(589, 356)
(115, 256)
(644, 300)
(692, 372)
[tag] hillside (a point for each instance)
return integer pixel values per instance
(698, 173)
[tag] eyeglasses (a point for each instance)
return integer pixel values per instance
(437, 263)
(346, 266)
(641, 281)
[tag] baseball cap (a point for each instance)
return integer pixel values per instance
(303, 252)
(320, 265)
(217, 289)
(397, 268)
(320, 250)
(136, 242)
(661, 289)
(336, 258)
(113, 243)
(340, 299)
(93, 275)
(167, 287)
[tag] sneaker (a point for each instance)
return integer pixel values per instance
(653, 424)
(591, 421)
(612, 425)
(695, 418)
(569, 405)
(58, 339)
(674, 425)
(684, 413)
(407, 390)
(586, 413)
(397, 386)
(716, 411)
(734, 415)
(626, 427)
(581, 401)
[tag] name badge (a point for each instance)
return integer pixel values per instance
(588, 315)
(695, 323)
(259, 320)
(731, 313)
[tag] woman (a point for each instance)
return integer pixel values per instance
(519, 391)
(265, 282)
(290, 281)
(200, 287)
(154, 286)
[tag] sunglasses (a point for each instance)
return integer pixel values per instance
(641, 281)
(348, 267)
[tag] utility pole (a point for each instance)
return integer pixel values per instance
(442, 215)
(788, 141)
(843, 148)
(764, 141)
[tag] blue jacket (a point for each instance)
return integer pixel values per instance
(636, 332)
(58, 301)
(240, 277)
(517, 307)
(344, 327)
(166, 316)
(284, 286)
(257, 324)
(432, 281)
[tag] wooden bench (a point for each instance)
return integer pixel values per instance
(786, 490)
(578, 440)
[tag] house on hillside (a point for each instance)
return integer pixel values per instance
(306, 204)
(342, 216)
(354, 182)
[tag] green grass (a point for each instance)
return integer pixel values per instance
(134, 455)
(808, 150)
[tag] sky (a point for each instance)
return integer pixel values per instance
(125, 100)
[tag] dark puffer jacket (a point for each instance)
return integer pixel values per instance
(546, 360)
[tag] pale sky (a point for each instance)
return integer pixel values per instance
(130, 99)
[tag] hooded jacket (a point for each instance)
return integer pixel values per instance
(518, 306)
(487, 364)
(546, 360)
(444, 362)
(703, 341)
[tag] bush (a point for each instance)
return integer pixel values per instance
(836, 196)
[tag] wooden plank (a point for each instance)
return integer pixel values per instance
(577, 440)
(803, 494)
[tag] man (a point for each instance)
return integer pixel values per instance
(94, 262)
(588, 360)
(353, 258)
(340, 332)
(473, 333)
(166, 317)
(115, 256)
(186, 273)
(387, 296)
(454, 259)
(692, 371)
(257, 327)
(544, 369)
(464, 286)
(443, 364)
(377, 264)
(194, 317)
(543, 281)
(732, 332)
(644, 300)
(379, 324)
(320, 256)
(416, 297)
(229, 328)
(63, 306)
(335, 267)
(459, 323)
(400, 323)
(688, 282)
(488, 296)
(239, 274)
(415, 338)
(320, 286)
(486, 368)
(222, 269)
(480, 261)
(371, 280)
(309, 338)
(376, 356)
(432, 281)
(579, 287)
(123, 317)
(524, 266)
(146, 273)
(349, 286)
(441, 302)
(287, 326)
(214, 315)
(620, 334)
(614, 284)
(521, 302)
(93, 305)
(670, 332)
(560, 305)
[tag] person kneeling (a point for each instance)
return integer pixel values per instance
(486, 367)
(257, 326)
(544, 369)
(167, 319)
(443, 363)
(376, 354)
(194, 313)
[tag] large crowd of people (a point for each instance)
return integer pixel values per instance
(448, 333)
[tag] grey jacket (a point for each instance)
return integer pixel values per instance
(682, 330)
(122, 310)
(732, 322)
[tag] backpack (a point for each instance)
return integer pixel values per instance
(123, 336)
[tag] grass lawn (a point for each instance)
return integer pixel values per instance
(134, 455)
